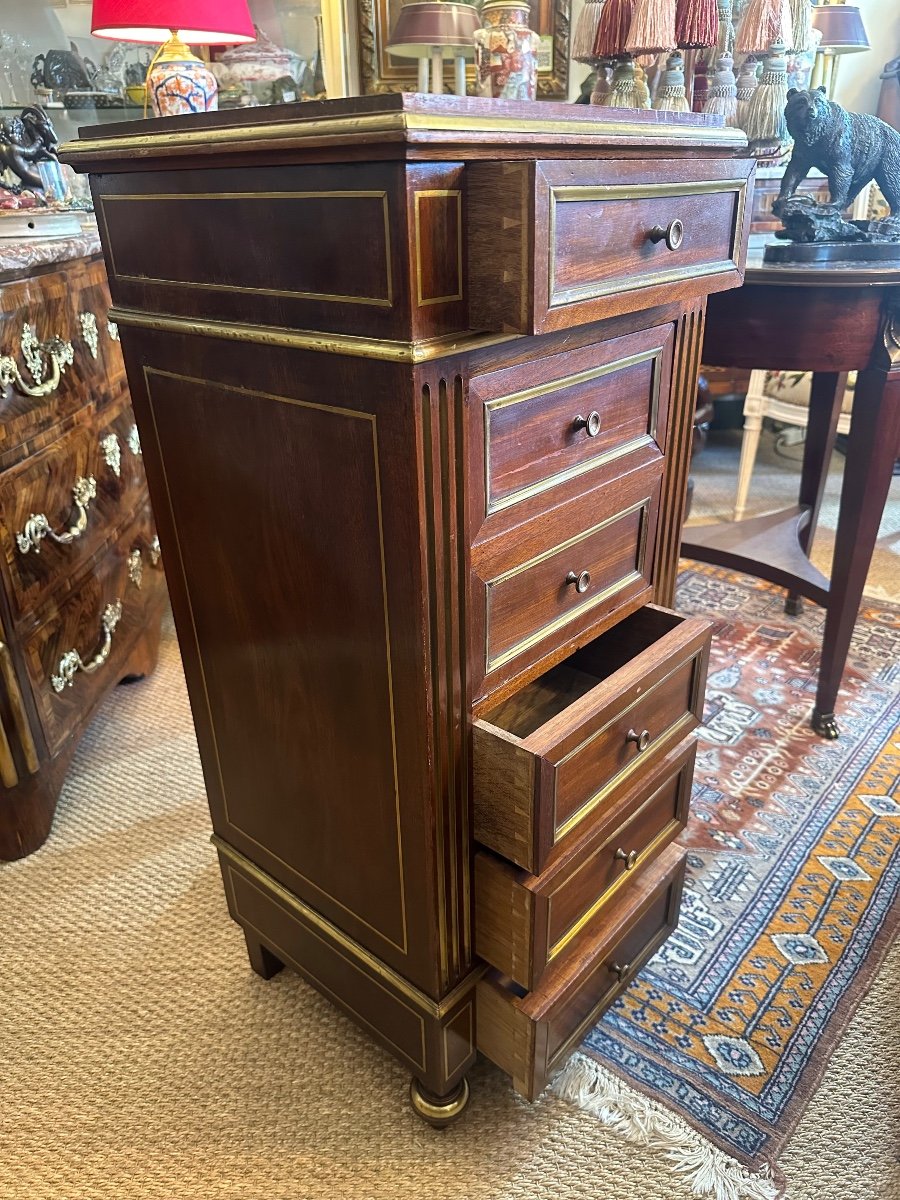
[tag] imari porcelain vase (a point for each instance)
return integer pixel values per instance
(179, 83)
(506, 52)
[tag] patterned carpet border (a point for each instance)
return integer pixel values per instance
(793, 875)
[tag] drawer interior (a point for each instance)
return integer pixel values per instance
(548, 696)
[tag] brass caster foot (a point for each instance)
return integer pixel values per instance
(793, 606)
(439, 1111)
(825, 725)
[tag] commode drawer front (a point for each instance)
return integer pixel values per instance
(60, 505)
(572, 416)
(605, 238)
(529, 1034)
(546, 759)
(563, 572)
(524, 922)
(85, 642)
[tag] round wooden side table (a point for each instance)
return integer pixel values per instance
(829, 319)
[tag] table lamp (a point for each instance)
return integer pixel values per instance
(177, 82)
(843, 32)
(435, 31)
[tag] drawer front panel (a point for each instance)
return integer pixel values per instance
(595, 407)
(529, 1035)
(81, 488)
(571, 580)
(668, 707)
(523, 922)
(80, 648)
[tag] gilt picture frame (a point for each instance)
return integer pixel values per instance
(379, 71)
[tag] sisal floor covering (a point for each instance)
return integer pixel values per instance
(141, 1058)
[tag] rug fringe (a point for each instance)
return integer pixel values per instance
(710, 1171)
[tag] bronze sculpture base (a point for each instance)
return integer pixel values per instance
(823, 252)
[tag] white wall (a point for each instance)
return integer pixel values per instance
(858, 82)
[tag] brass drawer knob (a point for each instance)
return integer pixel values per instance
(620, 972)
(629, 858)
(582, 582)
(590, 424)
(641, 740)
(672, 234)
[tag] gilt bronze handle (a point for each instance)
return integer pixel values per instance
(37, 527)
(672, 234)
(72, 662)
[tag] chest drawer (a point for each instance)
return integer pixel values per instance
(524, 922)
(58, 507)
(570, 415)
(585, 240)
(529, 1034)
(545, 759)
(81, 646)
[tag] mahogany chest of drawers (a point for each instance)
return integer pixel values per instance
(415, 380)
(82, 588)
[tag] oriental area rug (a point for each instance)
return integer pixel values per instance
(790, 901)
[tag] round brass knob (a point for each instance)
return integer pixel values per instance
(620, 972)
(672, 234)
(582, 582)
(641, 740)
(590, 424)
(629, 858)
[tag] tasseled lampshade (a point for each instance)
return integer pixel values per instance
(652, 27)
(696, 23)
(585, 34)
(801, 20)
(764, 22)
(613, 27)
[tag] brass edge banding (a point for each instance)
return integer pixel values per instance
(399, 126)
(147, 371)
(431, 1008)
(542, 485)
(566, 193)
(497, 661)
(423, 301)
(426, 350)
(328, 297)
(304, 968)
(20, 716)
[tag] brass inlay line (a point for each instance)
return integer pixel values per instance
(9, 776)
(591, 464)
(687, 718)
(422, 1002)
(404, 946)
(386, 301)
(396, 126)
(304, 968)
(425, 350)
(577, 610)
(639, 278)
(17, 705)
(423, 300)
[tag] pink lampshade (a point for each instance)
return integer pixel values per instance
(208, 22)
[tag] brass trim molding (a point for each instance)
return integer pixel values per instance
(590, 464)
(19, 714)
(445, 193)
(386, 301)
(424, 350)
(575, 193)
(393, 126)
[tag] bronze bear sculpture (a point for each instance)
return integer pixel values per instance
(850, 149)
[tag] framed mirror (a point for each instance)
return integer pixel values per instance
(381, 71)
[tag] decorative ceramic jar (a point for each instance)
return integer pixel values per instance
(506, 52)
(179, 83)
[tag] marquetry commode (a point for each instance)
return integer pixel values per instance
(81, 581)
(414, 378)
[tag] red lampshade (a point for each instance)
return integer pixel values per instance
(209, 22)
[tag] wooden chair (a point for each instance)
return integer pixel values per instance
(783, 396)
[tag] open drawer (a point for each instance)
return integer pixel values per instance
(529, 1034)
(545, 759)
(525, 923)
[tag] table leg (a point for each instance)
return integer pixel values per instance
(825, 402)
(873, 445)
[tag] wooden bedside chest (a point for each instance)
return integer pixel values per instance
(415, 379)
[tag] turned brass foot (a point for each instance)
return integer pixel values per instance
(825, 725)
(438, 1111)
